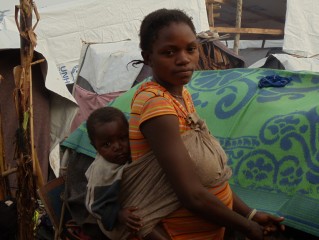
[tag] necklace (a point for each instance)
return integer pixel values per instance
(177, 96)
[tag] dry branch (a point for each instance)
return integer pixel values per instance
(25, 155)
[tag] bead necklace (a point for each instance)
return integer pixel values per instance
(177, 96)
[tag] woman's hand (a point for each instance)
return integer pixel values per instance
(132, 221)
(255, 231)
(269, 222)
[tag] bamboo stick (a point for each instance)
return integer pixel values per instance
(8, 172)
(268, 31)
(25, 151)
(2, 163)
(2, 151)
(238, 24)
(210, 13)
(33, 158)
(215, 1)
(39, 175)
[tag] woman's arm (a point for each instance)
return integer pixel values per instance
(240, 207)
(164, 138)
(269, 222)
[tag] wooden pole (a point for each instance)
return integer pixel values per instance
(25, 153)
(263, 31)
(3, 182)
(238, 24)
(210, 13)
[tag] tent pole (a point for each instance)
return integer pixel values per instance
(25, 152)
(238, 24)
(3, 181)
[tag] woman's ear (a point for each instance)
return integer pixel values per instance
(146, 57)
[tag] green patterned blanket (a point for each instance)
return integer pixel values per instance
(271, 136)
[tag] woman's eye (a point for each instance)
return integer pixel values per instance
(192, 49)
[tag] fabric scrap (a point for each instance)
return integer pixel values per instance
(274, 81)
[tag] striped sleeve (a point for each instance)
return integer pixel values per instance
(150, 101)
(156, 106)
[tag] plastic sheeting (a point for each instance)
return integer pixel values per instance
(106, 67)
(302, 28)
(89, 101)
(291, 63)
(63, 27)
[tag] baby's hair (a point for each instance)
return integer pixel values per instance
(103, 115)
(157, 20)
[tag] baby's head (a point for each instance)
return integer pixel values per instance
(108, 132)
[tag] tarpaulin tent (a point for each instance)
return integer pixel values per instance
(63, 28)
(53, 103)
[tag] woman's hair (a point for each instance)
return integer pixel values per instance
(157, 20)
(103, 115)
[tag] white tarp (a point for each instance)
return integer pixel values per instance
(9, 39)
(63, 27)
(302, 28)
(106, 67)
(63, 106)
(292, 63)
(243, 44)
(301, 40)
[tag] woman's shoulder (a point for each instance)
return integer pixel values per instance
(151, 100)
(150, 90)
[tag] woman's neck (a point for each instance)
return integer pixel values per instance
(175, 90)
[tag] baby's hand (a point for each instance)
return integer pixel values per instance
(133, 222)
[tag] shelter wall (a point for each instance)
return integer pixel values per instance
(8, 60)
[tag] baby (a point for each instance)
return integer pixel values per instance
(107, 129)
(108, 132)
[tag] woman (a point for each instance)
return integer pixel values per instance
(159, 116)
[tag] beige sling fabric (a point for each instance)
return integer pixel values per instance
(206, 152)
(144, 183)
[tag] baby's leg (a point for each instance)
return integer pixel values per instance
(158, 233)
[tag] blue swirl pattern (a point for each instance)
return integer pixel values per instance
(270, 134)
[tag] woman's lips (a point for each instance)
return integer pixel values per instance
(184, 73)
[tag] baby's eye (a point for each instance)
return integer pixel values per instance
(107, 144)
(169, 52)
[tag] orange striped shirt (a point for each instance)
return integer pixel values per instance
(184, 225)
(152, 100)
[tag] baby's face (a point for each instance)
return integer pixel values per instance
(112, 141)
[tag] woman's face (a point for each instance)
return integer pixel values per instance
(174, 55)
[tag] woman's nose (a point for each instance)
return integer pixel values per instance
(182, 58)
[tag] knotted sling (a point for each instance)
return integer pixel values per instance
(144, 183)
